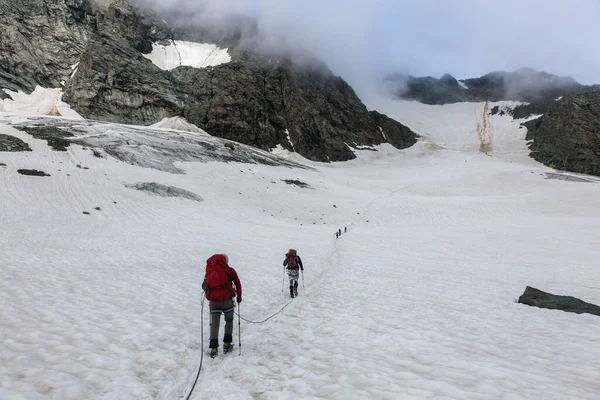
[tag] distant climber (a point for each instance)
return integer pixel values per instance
(345, 229)
(293, 263)
(220, 293)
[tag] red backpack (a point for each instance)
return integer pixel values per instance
(291, 256)
(217, 278)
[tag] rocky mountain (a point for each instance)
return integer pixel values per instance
(101, 58)
(41, 40)
(567, 137)
(526, 84)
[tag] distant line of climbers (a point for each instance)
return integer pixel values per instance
(338, 233)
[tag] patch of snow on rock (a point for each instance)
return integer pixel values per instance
(178, 124)
(287, 133)
(42, 101)
(181, 53)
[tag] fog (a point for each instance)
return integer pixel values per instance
(365, 40)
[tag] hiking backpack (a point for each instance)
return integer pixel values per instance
(217, 279)
(292, 262)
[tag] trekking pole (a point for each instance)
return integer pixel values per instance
(239, 330)
(282, 279)
(209, 318)
(303, 288)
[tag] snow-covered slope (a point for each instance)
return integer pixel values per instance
(415, 301)
(181, 53)
(455, 126)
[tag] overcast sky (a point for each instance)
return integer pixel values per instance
(363, 39)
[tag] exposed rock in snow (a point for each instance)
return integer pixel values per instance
(537, 298)
(570, 177)
(164, 190)
(398, 135)
(12, 144)
(32, 172)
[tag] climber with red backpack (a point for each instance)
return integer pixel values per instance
(293, 263)
(220, 293)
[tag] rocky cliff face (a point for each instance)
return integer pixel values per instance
(255, 99)
(568, 136)
(41, 40)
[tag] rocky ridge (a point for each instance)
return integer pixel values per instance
(527, 85)
(256, 99)
(567, 137)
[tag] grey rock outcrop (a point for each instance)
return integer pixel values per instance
(256, 99)
(32, 172)
(526, 84)
(396, 134)
(567, 137)
(41, 40)
(430, 90)
(159, 189)
(10, 143)
(537, 298)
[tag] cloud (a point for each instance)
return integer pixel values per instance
(363, 40)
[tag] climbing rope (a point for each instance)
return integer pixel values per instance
(247, 320)
(201, 346)
(266, 319)
(202, 337)
(243, 319)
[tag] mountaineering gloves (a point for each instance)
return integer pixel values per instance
(239, 300)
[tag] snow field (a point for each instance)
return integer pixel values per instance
(454, 126)
(415, 301)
